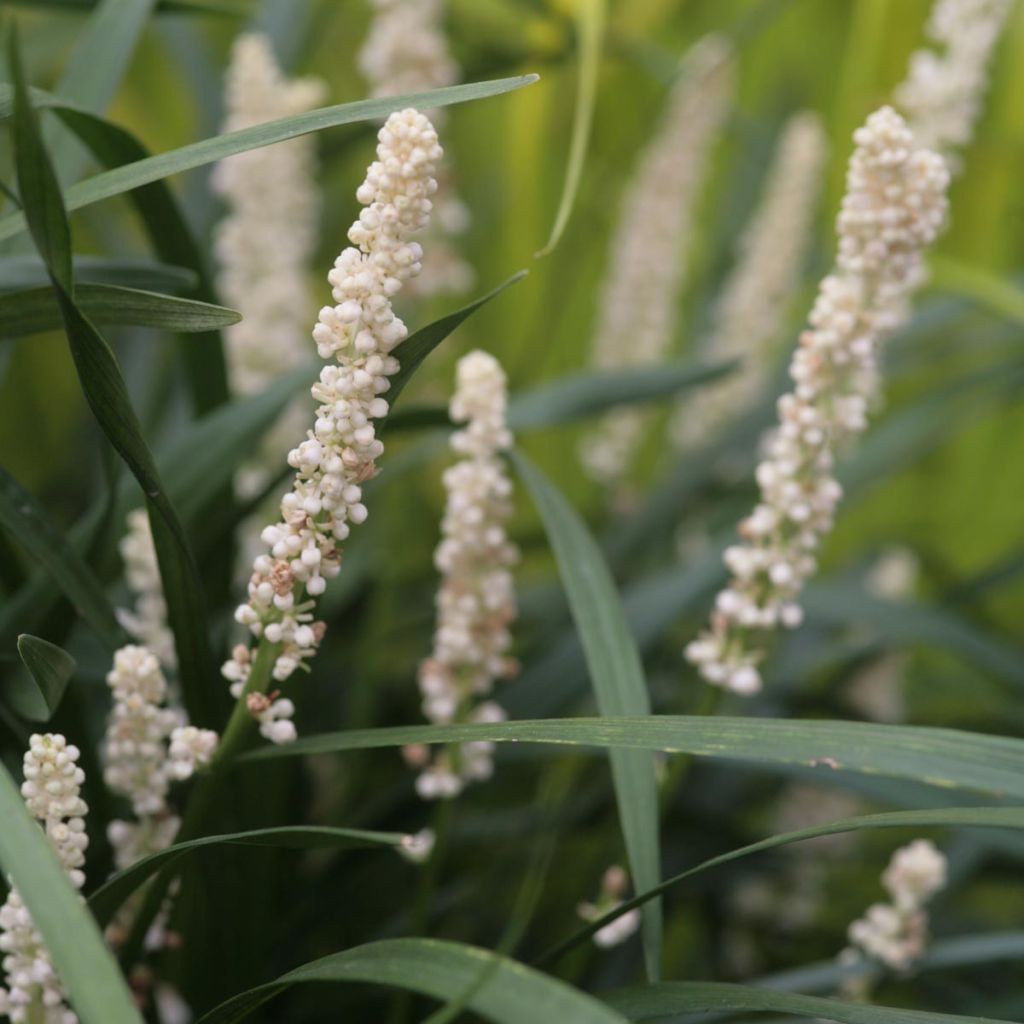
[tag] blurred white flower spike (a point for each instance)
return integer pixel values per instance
(146, 621)
(896, 933)
(942, 94)
(894, 207)
(752, 311)
(613, 887)
(476, 601)
(265, 242)
(52, 793)
(339, 454)
(406, 51)
(639, 304)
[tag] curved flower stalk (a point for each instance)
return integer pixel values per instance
(52, 792)
(339, 454)
(406, 51)
(638, 315)
(895, 206)
(943, 92)
(264, 243)
(751, 312)
(146, 621)
(476, 600)
(613, 887)
(896, 933)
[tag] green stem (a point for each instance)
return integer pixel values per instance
(233, 740)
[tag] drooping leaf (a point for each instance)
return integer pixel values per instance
(590, 21)
(198, 154)
(105, 900)
(650, 1002)
(503, 990)
(107, 396)
(36, 309)
(19, 272)
(411, 352)
(51, 669)
(24, 518)
(948, 758)
(617, 675)
(83, 963)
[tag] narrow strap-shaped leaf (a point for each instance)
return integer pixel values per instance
(617, 676)
(51, 669)
(989, 290)
(36, 309)
(107, 396)
(236, 9)
(17, 272)
(26, 521)
(590, 20)
(154, 168)
(955, 817)
(649, 1002)
(948, 758)
(105, 900)
(510, 994)
(84, 965)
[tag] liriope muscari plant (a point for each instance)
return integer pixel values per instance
(896, 933)
(638, 313)
(32, 993)
(406, 50)
(894, 207)
(302, 550)
(614, 882)
(476, 600)
(265, 241)
(750, 313)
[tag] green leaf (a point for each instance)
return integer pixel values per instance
(991, 291)
(83, 963)
(20, 272)
(198, 154)
(948, 758)
(505, 992)
(51, 668)
(943, 817)
(658, 1001)
(105, 900)
(590, 21)
(593, 392)
(36, 309)
(162, 6)
(618, 679)
(107, 396)
(418, 346)
(27, 522)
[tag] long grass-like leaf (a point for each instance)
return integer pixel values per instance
(18, 272)
(105, 900)
(618, 679)
(36, 309)
(511, 994)
(83, 963)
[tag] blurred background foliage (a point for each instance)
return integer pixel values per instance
(941, 472)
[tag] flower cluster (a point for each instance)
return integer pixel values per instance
(639, 303)
(264, 243)
(894, 207)
(751, 313)
(942, 93)
(613, 887)
(476, 599)
(340, 452)
(147, 621)
(896, 933)
(52, 792)
(406, 51)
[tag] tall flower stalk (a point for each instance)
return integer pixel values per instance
(302, 550)
(52, 792)
(638, 314)
(751, 313)
(895, 206)
(476, 601)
